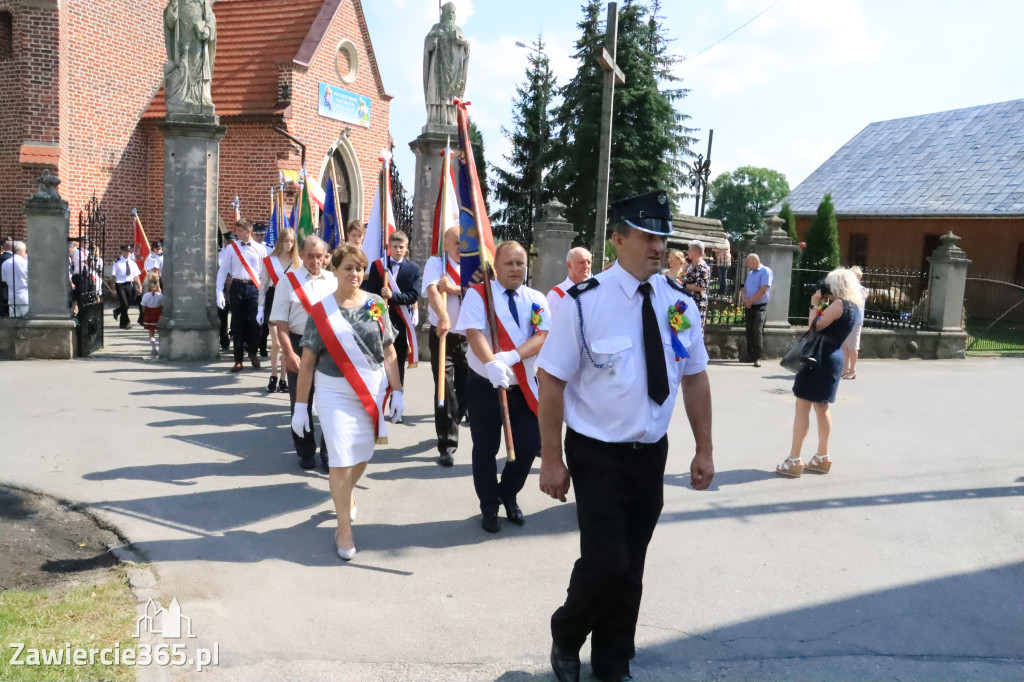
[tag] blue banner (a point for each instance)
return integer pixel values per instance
(342, 105)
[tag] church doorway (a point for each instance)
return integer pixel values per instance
(336, 170)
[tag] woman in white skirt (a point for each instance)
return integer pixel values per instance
(349, 347)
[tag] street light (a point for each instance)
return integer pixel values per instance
(523, 45)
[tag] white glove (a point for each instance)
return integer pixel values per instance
(397, 406)
(498, 373)
(300, 419)
(221, 303)
(259, 315)
(509, 357)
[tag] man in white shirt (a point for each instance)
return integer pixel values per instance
(522, 326)
(126, 279)
(5, 255)
(577, 262)
(441, 276)
(14, 273)
(155, 259)
(243, 260)
(288, 316)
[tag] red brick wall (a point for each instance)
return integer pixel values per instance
(992, 244)
(28, 105)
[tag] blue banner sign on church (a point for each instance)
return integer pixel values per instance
(342, 105)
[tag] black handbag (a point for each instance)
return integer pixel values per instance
(805, 354)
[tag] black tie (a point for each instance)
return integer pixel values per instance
(511, 293)
(654, 353)
(246, 243)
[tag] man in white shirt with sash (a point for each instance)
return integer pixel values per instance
(522, 325)
(441, 276)
(577, 262)
(243, 260)
(297, 291)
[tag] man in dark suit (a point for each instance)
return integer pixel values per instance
(401, 289)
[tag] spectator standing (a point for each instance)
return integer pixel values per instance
(697, 278)
(14, 273)
(755, 294)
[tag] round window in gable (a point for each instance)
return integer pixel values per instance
(346, 62)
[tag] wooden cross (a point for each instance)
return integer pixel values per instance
(612, 75)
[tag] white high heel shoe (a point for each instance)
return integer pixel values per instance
(346, 554)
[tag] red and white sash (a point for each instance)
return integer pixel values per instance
(510, 337)
(245, 264)
(369, 384)
(557, 290)
(300, 291)
(410, 314)
(268, 263)
(452, 272)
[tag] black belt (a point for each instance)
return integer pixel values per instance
(758, 305)
(632, 445)
(242, 281)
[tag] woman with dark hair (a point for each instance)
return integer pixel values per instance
(349, 344)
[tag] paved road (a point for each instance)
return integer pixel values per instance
(907, 562)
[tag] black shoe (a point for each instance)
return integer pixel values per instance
(566, 666)
(282, 385)
(264, 353)
(615, 677)
(324, 467)
(446, 459)
(115, 315)
(514, 514)
(307, 463)
(272, 385)
(490, 523)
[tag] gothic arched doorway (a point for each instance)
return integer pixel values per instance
(342, 167)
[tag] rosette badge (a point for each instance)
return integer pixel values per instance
(680, 322)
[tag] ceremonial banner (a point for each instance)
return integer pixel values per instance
(476, 242)
(382, 220)
(304, 217)
(446, 211)
(271, 239)
(332, 224)
(142, 241)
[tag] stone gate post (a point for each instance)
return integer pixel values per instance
(552, 239)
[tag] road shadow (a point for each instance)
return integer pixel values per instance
(723, 478)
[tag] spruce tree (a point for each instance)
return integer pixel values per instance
(649, 137)
(786, 214)
(522, 189)
(822, 252)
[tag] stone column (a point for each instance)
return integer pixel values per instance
(48, 331)
(947, 279)
(776, 250)
(428, 148)
(189, 327)
(552, 239)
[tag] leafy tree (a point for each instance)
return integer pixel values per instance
(786, 214)
(822, 252)
(650, 138)
(741, 198)
(476, 138)
(523, 189)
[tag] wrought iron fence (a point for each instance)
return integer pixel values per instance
(897, 298)
(401, 203)
(724, 306)
(994, 315)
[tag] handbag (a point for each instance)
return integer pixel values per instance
(805, 354)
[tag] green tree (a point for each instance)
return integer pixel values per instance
(476, 138)
(650, 139)
(822, 252)
(786, 214)
(740, 199)
(523, 188)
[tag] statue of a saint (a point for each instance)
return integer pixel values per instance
(445, 61)
(190, 34)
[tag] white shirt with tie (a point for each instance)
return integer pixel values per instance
(606, 388)
(252, 251)
(125, 270)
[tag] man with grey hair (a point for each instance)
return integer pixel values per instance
(755, 294)
(14, 273)
(577, 262)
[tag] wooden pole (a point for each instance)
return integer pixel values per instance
(337, 205)
(442, 345)
(612, 73)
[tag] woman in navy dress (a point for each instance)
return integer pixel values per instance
(818, 386)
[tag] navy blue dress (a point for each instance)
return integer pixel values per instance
(819, 384)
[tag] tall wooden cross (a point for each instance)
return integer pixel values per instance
(612, 75)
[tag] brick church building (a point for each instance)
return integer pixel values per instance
(81, 94)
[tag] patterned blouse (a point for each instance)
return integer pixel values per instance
(368, 336)
(699, 274)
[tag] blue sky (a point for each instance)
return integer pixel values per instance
(785, 92)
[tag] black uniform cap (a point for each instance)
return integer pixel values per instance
(259, 228)
(649, 212)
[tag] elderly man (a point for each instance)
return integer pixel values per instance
(14, 273)
(755, 294)
(577, 262)
(297, 292)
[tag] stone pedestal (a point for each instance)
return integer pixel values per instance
(947, 279)
(428, 148)
(189, 326)
(776, 250)
(552, 239)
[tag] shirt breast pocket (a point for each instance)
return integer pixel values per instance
(615, 353)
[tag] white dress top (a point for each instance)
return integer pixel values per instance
(610, 402)
(287, 307)
(433, 271)
(474, 316)
(554, 300)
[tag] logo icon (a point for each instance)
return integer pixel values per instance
(172, 621)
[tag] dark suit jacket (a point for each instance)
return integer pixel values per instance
(409, 280)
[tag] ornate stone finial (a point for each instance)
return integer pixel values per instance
(749, 236)
(775, 233)
(552, 211)
(47, 186)
(948, 249)
(445, 64)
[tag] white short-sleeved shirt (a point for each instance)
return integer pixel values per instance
(433, 271)
(611, 403)
(152, 299)
(288, 308)
(125, 270)
(554, 300)
(473, 316)
(155, 260)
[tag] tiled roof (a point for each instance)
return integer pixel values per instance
(252, 37)
(964, 162)
(39, 154)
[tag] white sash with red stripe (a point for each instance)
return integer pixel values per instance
(245, 264)
(272, 265)
(410, 315)
(510, 337)
(370, 385)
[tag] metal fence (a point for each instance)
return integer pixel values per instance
(724, 307)
(994, 315)
(897, 298)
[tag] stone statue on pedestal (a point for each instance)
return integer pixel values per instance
(445, 63)
(190, 35)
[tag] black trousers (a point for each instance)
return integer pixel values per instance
(447, 418)
(268, 304)
(245, 299)
(124, 298)
(401, 348)
(305, 446)
(755, 319)
(485, 427)
(619, 496)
